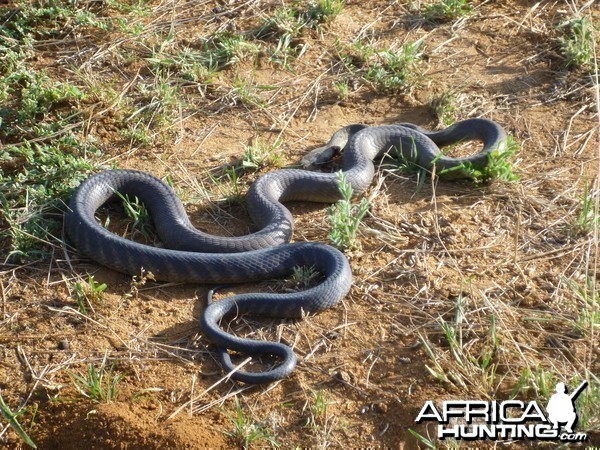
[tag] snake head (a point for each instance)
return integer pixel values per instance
(319, 156)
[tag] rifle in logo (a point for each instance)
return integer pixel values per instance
(561, 406)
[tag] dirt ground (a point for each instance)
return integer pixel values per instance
(499, 256)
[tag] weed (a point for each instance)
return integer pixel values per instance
(99, 385)
(245, 432)
(141, 221)
(498, 167)
(235, 193)
(137, 134)
(587, 218)
(464, 366)
(396, 71)
(34, 191)
(260, 155)
(400, 160)
(303, 277)
(158, 101)
(444, 107)
(286, 22)
(245, 92)
(291, 21)
(88, 293)
(587, 304)
(446, 10)
(317, 411)
(386, 70)
(322, 11)
(577, 42)
(428, 443)
(588, 404)
(11, 418)
(53, 19)
(344, 218)
(342, 89)
(225, 49)
(190, 64)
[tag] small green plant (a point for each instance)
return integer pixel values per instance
(588, 404)
(587, 218)
(34, 191)
(395, 71)
(99, 385)
(587, 304)
(344, 218)
(222, 50)
(444, 107)
(317, 410)
(259, 155)
(286, 22)
(406, 161)
(322, 11)
(11, 417)
(292, 21)
(245, 432)
(136, 211)
(498, 167)
(342, 89)
(577, 42)
(245, 92)
(158, 101)
(235, 194)
(428, 443)
(303, 277)
(88, 293)
(446, 10)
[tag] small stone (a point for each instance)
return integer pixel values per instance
(380, 408)
(342, 377)
(64, 345)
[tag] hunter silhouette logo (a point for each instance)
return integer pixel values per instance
(507, 420)
(561, 407)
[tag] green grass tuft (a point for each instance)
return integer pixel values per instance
(344, 218)
(577, 42)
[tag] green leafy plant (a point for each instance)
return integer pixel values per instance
(317, 410)
(88, 293)
(428, 443)
(498, 166)
(98, 384)
(586, 219)
(259, 155)
(139, 215)
(322, 11)
(344, 218)
(577, 42)
(388, 71)
(444, 107)
(246, 432)
(395, 71)
(446, 10)
(587, 304)
(304, 277)
(11, 418)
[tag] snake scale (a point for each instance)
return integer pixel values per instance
(189, 255)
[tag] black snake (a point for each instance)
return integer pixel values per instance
(190, 255)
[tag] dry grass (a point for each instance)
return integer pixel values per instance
(486, 292)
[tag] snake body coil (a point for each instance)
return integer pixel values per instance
(193, 256)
